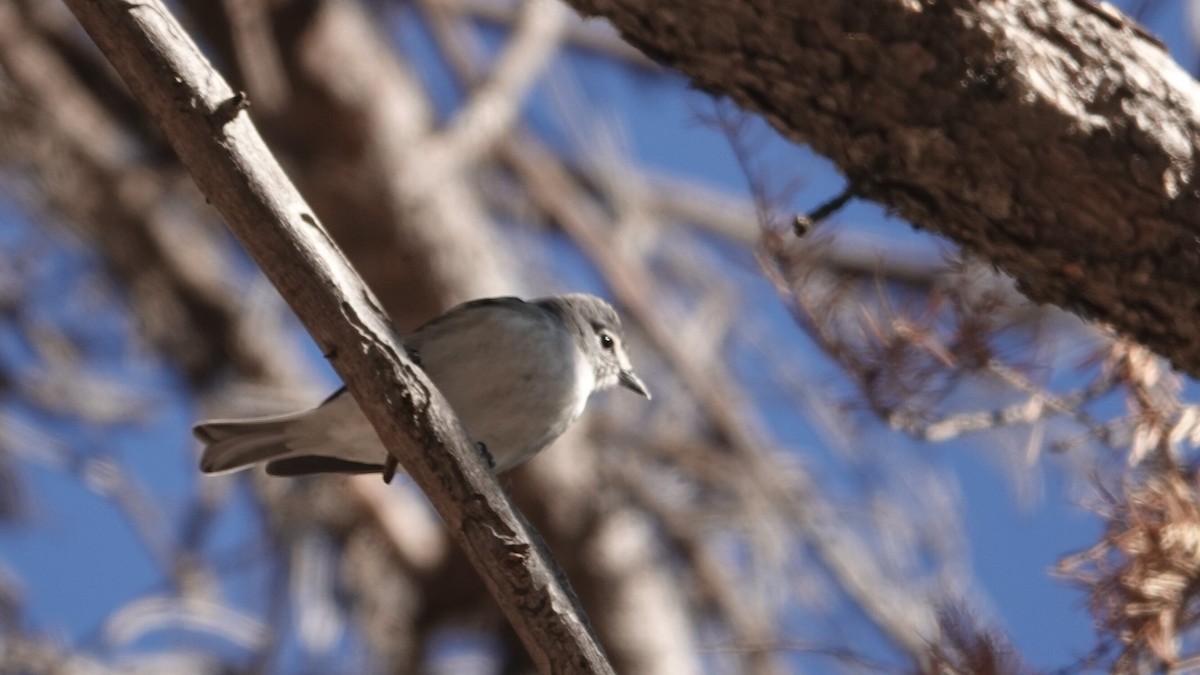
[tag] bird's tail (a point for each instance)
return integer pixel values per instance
(236, 444)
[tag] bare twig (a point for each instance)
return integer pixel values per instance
(594, 36)
(493, 107)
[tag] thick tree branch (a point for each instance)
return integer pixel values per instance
(201, 118)
(1051, 137)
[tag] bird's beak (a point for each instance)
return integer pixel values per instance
(633, 383)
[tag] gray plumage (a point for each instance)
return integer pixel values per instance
(517, 374)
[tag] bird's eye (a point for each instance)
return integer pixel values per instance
(606, 341)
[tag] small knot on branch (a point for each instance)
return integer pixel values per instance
(229, 108)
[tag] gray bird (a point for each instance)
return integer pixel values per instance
(516, 373)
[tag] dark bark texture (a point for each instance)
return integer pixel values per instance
(1054, 138)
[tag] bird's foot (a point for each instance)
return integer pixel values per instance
(487, 456)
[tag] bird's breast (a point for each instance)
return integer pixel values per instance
(516, 381)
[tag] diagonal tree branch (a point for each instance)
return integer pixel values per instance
(1051, 137)
(201, 118)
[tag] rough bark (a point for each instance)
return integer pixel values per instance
(1053, 138)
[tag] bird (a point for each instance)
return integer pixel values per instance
(517, 373)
